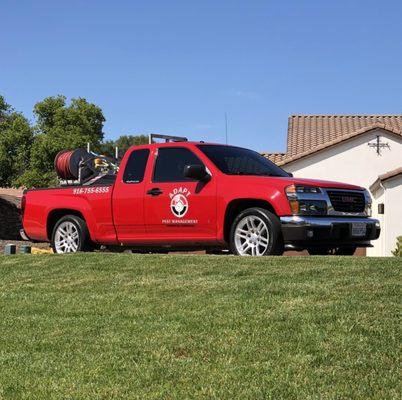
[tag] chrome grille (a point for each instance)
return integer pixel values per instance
(347, 201)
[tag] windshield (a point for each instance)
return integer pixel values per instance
(238, 161)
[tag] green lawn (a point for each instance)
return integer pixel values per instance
(105, 326)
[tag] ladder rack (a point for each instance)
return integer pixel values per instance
(166, 138)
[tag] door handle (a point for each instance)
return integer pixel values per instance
(154, 192)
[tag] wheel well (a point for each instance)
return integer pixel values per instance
(56, 215)
(237, 206)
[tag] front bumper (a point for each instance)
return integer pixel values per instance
(300, 232)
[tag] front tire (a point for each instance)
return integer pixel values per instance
(256, 232)
(70, 235)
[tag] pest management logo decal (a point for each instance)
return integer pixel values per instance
(179, 206)
(179, 202)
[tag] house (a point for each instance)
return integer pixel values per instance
(387, 194)
(365, 150)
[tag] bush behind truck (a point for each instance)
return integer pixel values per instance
(194, 195)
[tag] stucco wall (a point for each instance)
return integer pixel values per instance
(380, 244)
(392, 217)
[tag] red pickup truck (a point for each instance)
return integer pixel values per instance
(194, 195)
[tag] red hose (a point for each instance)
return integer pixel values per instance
(62, 164)
(67, 164)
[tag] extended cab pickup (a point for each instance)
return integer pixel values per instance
(192, 195)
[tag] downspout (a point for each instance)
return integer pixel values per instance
(383, 228)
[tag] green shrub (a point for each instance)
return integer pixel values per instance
(398, 251)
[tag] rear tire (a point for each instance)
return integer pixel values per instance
(70, 235)
(256, 232)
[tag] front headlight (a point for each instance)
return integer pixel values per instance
(312, 207)
(307, 205)
(307, 189)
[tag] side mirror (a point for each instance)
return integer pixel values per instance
(197, 172)
(290, 174)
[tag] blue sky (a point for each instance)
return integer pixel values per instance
(176, 67)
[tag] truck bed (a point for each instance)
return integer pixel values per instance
(93, 202)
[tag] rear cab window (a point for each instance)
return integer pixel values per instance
(135, 167)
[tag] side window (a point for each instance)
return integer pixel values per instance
(170, 163)
(135, 168)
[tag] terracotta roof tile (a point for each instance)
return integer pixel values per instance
(275, 157)
(310, 133)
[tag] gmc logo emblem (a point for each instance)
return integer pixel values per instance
(348, 199)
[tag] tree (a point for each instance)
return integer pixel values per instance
(16, 137)
(4, 108)
(123, 143)
(58, 127)
(27, 152)
(126, 141)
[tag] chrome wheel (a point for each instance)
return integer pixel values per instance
(251, 236)
(67, 238)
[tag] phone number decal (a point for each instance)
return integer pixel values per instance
(92, 190)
